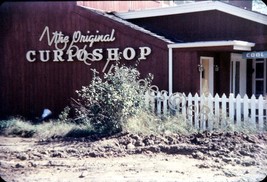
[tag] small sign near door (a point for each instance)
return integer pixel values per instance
(254, 55)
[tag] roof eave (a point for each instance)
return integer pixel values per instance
(196, 7)
(128, 24)
(236, 44)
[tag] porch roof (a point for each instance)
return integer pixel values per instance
(230, 45)
(126, 23)
(196, 7)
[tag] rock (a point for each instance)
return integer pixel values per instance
(4, 165)
(213, 146)
(198, 155)
(18, 165)
(33, 164)
(83, 174)
(199, 135)
(203, 165)
(43, 152)
(237, 161)
(226, 159)
(92, 154)
(195, 140)
(125, 140)
(246, 153)
(228, 134)
(229, 173)
(207, 133)
(36, 155)
(248, 163)
(57, 154)
(135, 136)
(22, 156)
(252, 139)
(147, 141)
(216, 134)
(139, 143)
(130, 146)
(171, 140)
(72, 150)
(154, 149)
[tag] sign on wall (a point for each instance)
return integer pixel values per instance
(68, 48)
(254, 55)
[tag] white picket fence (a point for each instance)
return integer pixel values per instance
(208, 112)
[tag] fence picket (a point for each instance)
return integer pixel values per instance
(165, 103)
(224, 111)
(246, 108)
(189, 109)
(217, 110)
(238, 110)
(210, 104)
(231, 107)
(260, 108)
(202, 112)
(184, 106)
(159, 101)
(152, 101)
(196, 111)
(253, 110)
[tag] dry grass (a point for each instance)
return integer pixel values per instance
(142, 123)
(51, 128)
(148, 123)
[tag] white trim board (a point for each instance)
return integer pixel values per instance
(237, 44)
(196, 7)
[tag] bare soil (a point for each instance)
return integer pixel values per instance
(130, 157)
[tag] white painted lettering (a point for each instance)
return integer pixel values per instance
(144, 51)
(113, 54)
(126, 52)
(71, 49)
(57, 38)
(42, 55)
(28, 56)
(70, 55)
(58, 55)
(98, 54)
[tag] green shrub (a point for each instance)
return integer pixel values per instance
(107, 102)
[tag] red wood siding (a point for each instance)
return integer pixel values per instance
(207, 26)
(27, 88)
(185, 72)
(186, 77)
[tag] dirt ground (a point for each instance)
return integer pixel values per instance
(128, 157)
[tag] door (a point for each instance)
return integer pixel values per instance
(207, 75)
(238, 75)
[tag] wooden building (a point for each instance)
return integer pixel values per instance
(47, 48)
(216, 46)
(30, 82)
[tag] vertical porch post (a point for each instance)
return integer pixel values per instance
(170, 70)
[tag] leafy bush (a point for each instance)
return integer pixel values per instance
(107, 102)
